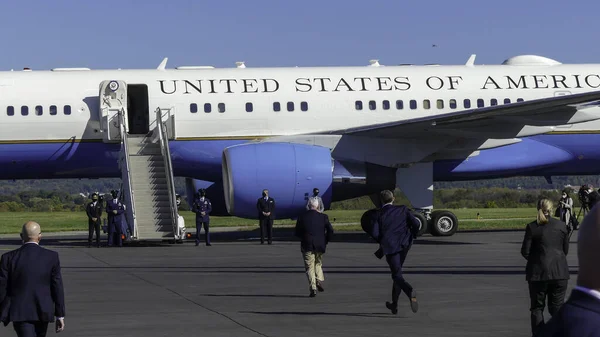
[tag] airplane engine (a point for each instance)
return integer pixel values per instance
(289, 171)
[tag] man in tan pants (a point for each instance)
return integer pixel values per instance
(315, 231)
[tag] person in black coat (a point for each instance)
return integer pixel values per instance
(266, 213)
(394, 228)
(580, 315)
(545, 247)
(315, 231)
(94, 213)
(31, 287)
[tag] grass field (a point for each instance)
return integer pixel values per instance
(490, 218)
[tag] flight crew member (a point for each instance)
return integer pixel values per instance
(202, 207)
(94, 213)
(321, 207)
(115, 210)
(395, 228)
(266, 213)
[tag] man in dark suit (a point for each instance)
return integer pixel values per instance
(315, 231)
(94, 213)
(115, 210)
(545, 247)
(580, 315)
(31, 288)
(266, 209)
(394, 229)
(202, 207)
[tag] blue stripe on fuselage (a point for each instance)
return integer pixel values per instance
(561, 154)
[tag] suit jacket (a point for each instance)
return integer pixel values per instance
(395, 228)
(94, 212)
(579, 316)
(314, 230)
(31, 287)
(112, 206)
(545, 247)
(321, 205)
(263, 205)
(202, 206)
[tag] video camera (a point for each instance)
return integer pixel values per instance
(583, 196)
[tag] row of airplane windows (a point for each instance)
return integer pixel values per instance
(38, 110)
(249, 107)
(427, 104)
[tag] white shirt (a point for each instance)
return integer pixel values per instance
(591, 292)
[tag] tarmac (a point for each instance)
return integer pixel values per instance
(470, 284)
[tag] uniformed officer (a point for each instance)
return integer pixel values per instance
(115, 210)
(202, 207)
(94, 213)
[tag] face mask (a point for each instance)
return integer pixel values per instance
(95, 199)
(264, 194)
(564, 195)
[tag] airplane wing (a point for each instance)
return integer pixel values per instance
(519, 119)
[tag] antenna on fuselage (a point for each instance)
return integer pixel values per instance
(471, 61)
(240, 64)
(163, 64)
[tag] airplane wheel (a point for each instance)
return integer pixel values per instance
(423, 226)
(443, 223)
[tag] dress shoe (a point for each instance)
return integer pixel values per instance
(414, 305)
(320, 286)
(392, 306)
(313, 293)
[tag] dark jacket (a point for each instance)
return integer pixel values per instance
(395, 228)
(545, 247)
(31, 287)
(314, 230)
(578, 317)
(200, 206)
(263, 205)
(94, 212)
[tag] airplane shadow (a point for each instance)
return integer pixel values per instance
(322, 313)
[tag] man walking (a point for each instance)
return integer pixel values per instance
(31, 288)
(394, 229)
(315, 231)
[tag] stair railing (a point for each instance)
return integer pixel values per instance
(125, 166)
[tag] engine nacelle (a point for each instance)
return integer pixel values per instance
(289, 171)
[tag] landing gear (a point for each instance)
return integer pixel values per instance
(416, 182)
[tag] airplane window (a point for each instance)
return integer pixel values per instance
(276, 106)
(386, 105)
(10, 111)
(413, 104)
(39, 110)
(399, 104)
(440, 104)
(207, 108)
(290, 106)
(494, 101)
(221, 107)
(520, 100)
(467, 103)
(507, 101)
(24, 111)
(248, 107)
(53, 110)
(426, 104)
(453, 104)
(303, 106)
(193, 108)
(480, 103)
(67, 109)
(372, 105)
(358, 105)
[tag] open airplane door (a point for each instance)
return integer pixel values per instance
(113, 99)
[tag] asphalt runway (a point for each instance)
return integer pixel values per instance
(471, 284)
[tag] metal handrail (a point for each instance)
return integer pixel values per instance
(166, 153)
(125, 160)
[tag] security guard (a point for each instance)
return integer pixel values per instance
(115, 210)
(94, 213)
(202, 207)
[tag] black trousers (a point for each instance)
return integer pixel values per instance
(395, 261)
(31, 329)
(538, 292)
(199, 226)
(94, 227)
(266, 224)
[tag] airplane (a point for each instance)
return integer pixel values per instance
(349, 131)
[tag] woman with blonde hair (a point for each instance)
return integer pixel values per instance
(545, 247)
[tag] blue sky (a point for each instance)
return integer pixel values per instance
(106, 34)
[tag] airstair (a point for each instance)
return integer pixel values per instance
(148, 185)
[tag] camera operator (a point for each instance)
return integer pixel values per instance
(588, 197)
